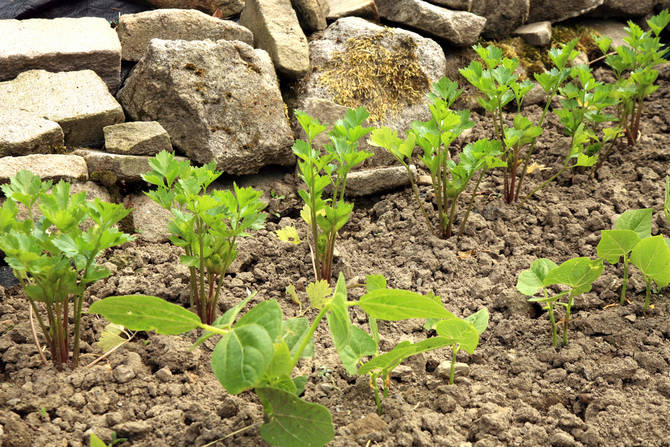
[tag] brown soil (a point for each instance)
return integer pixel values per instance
(609, 387)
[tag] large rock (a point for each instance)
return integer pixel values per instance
(610, 28)
(502, 17)
(358, 8)
(538, 33)
(136, 30)
(557, 11)
(78, 101)
(371, 181)
(128, 168)
(23, 133)
(48, 167)
(459, 5)
(227, 8)
(311, 14)
(277, 30)
(627, 9)
(136, 138)
(150, 220)
(336, 60)
(63, 44)
(218, 101)
(458, 27)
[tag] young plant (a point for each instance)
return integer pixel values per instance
(629, 229)
(206, 225)
(53, 253)
(577, 274)
(94, 441)
(325, 176)
(633, 65)
(652, 257)
(449, 178)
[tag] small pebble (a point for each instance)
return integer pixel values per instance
(460, 369)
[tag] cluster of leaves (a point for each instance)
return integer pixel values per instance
(324, 173)
(206, 224)
(52, 245)
(259, 350)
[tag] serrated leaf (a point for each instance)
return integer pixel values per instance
(318, 292)
(111, 337)
(288, 234)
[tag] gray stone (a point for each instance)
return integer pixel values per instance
(610, 28)
(502, 16)
(459, 5)
(219, 101)
(123, 374)
(555, 11)
(136, 138)
(444, 369)
(128, 168)
(62, 44)
(23, 133)
(47, 166)
(132, 428)
(136, 30)
(537, 33)
(164, 374)
(458, 27)
(311, 14)
(277, 30)
(366, 182)
(617, 369)
(626, 9)
(227, 8)
(355, 8)
(150, 220)
(78, 101)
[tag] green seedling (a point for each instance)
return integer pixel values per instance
(652, 257)
(325, 176)
(54, 254)
(629, 229)
(206, 225)
(94, 441)
(666, 203)
(577, 274)
(633, 65)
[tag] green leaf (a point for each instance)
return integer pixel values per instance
(111, 337)
(146, 313)
(389, 360)
(479, 319)
(460, 332)
(318, 292)
(373, 282)
(281, 361)
(578, 273)
(266, 314)
(94, 441)
(637, 220)
(652, 257)
(532, 280)
(294, 329)
(292, 422)
(360, 345)
(241, 357)
(395, 305)
(338, 316)
(616, 243)
(288, 234)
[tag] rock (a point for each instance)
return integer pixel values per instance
(150, 220)
(562, 439)
(311, 14)
(617, 369)
(127, 168)
(536, 95)
(23, 133)
(460, 369)
(219, 101)
(277, 31)
(123, 374)
(459, 5)
(626, 9)
(164, 374)
(554, 11)
(369, 424)
(502, 17)
(132, 428)
(460, 28)
(351, 48)
(538, 33)
(62, 44)
(227, 8)
(48, 167)
(136, 138)
(375, 180)
(15, 432)
(78, 101)
(93, 191)
(136, 30)
(611, 28)
(358, 8)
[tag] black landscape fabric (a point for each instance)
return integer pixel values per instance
(29, 9)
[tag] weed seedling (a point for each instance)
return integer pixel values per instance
(94, 441)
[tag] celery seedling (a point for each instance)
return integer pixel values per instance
(54, 255)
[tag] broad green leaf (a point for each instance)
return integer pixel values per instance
(338, 316)
(318, 292)
(479, 319)
(373, 282)
(266, 314)
(294, 329)
(532, 280)
(146, 313)
(281, 361)
(225, 320)
(578, 273)
(637, 220)
(94, 441)
(403, 350)
(360, 345)
(292, 422)
(652, 257)
(241, 357)
(111, 337)
(459, 331)
(395, 305)
(616, 243)
(300, 383)
(288, 234)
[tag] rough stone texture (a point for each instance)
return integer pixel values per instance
(318, 100)
(136, 138)
(538, 33)
(611, 28)
(554, 11)
(458, 27)
(150, 220)
(23, 133)
(376, 180)
(311, 14)
(136, 30)
(228, 8)
(62, 44)
(626, 9)
(502, 17)
(48, 167)
(277, 30)
(125, 167)
(217, 100)
(357, 8)
(444, 369)
(459, 5)
(78, 101)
